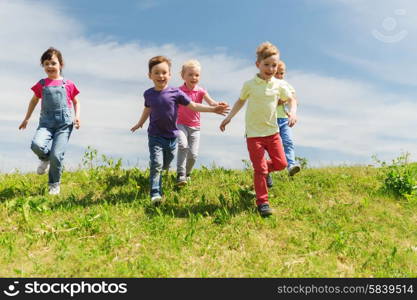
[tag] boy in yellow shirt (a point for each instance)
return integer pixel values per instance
(261, 94)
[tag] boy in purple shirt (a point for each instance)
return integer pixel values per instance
(161, 105)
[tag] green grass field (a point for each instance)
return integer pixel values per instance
(328, 222)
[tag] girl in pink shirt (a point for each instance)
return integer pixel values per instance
(56, 121)
(188, 121)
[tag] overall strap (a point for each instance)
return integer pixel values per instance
(42, 82)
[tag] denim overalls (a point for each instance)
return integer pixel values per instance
(54, 130)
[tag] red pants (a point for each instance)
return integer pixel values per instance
(256, 147)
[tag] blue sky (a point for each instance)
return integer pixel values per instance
(353, 64)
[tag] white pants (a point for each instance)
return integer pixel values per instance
(188, 144)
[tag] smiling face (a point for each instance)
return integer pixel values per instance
(281, 71)
(268, 67)
(52, 67)
(160, 75)
(191, 76)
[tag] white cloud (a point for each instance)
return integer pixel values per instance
(352, 117)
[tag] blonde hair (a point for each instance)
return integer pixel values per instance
(266, 50)
(281, 64)
(192, 63)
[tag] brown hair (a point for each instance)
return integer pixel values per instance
(156, 60)
(281, 64)
(266, 50)
(47, 55)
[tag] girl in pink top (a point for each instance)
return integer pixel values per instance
(188, 121)
(56, 121)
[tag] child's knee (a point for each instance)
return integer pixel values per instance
(260, 170)
(193, 156)
(279, 166)
(156, 165)
(37, 146)
(56, 157)
(34, 146)
(182, 145)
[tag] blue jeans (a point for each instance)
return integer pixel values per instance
(162, 151)
(285, 132)
(49, 144)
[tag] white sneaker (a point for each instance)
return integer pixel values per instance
(156, 200)
(54, 189)
(43, 165)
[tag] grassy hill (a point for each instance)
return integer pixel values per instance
(328, 222)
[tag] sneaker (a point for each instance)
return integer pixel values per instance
(264, 210)
(43, 165)
(156, 200)
(181, 180)
(269, 182)
(293, 170)
(54, 189)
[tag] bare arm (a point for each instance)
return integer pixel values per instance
(77, 112)
(220, 109)
(292, 113)
(210, 101)
(32, 104)
(145, 115)
(235, 109)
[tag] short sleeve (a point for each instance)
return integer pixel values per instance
(72, 90)
(146, 97)
(291, 88)
(284, 92)
(182, 98)
(37, 89)
(202, 92)
(244, 93)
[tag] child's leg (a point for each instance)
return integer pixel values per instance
(285, 132)
(276, 153)
(168, 153)
(182, 149)
(193, 146)
(169, 150)
(56, 156)
(256, 150)
(41, 143)
(155, 165)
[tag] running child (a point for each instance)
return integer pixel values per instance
(56, 122)
(285, 129)
(188, 121)
(161, 106)
(262, 93)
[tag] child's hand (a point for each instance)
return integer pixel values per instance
(292, 119)
(136, 127)
(224, 123)
(23, 124)
(222, 109)
(77, 123)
